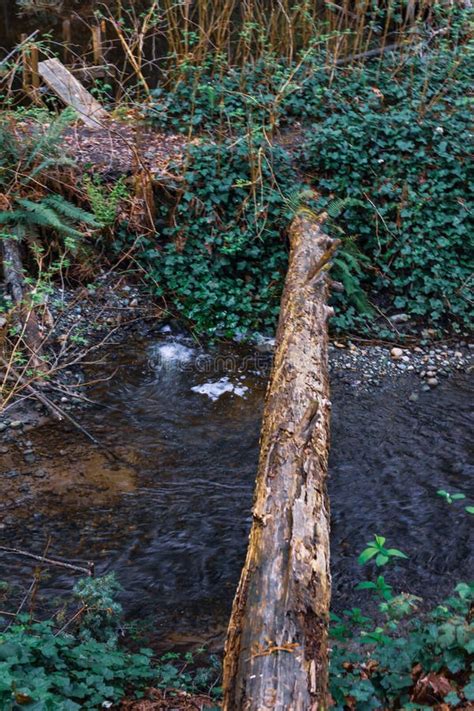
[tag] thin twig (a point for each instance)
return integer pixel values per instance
(50, 561)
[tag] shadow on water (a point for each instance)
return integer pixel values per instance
(173, 523)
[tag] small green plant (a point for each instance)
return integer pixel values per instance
(104, 199)
(450, 498)
(102, 91)
(380, 587)
(101, 614)
(376, 549)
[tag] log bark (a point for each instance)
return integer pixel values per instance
(276, 648)
(25, 315)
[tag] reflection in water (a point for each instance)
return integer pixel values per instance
(177, 535)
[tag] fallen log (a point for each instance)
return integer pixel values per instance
(276, 648)
(19, 291)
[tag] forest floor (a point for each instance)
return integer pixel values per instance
(169, 701)
(118, 148)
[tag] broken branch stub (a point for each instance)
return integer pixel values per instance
(276, 649)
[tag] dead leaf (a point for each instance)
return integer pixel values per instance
(431, 688)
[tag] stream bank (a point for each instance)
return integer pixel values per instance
(172, 516)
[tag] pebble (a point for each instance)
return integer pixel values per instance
(413, 397)
(396, 353)
(40, 474)
(12, 474)
(16, 424)
(432, 382)
(3, 427)
(399, 318)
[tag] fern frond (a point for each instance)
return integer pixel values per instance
(69, 210)
(44, 216)
(40, 213)
(348, 270)
(338, 205)
(7, 217)
(47, 144)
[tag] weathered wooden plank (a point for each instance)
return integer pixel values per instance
(71, 92)
(86, 74)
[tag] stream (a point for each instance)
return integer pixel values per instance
(172, 517)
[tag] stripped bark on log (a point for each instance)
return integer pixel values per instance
(276, 649)
(19, 291)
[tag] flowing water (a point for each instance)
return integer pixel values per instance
(172, 518)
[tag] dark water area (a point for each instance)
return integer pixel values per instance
(173, 522)
(48, 19)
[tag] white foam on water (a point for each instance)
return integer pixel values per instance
(175, 351)
(170, 355)
(215, 389)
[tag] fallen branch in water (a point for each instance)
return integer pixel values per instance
(59, 414)
(50, 561)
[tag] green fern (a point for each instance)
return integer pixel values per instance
(336, 207)
(72, 212)
(34, 206)
(105, 201)
(349, 262)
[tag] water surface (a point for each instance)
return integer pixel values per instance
(173, 520)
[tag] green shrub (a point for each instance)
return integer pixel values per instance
(375, 667)
(40, 669)
(389, 140)
(223, 259)
(398, 148)
(266, 93)
(82, 665)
